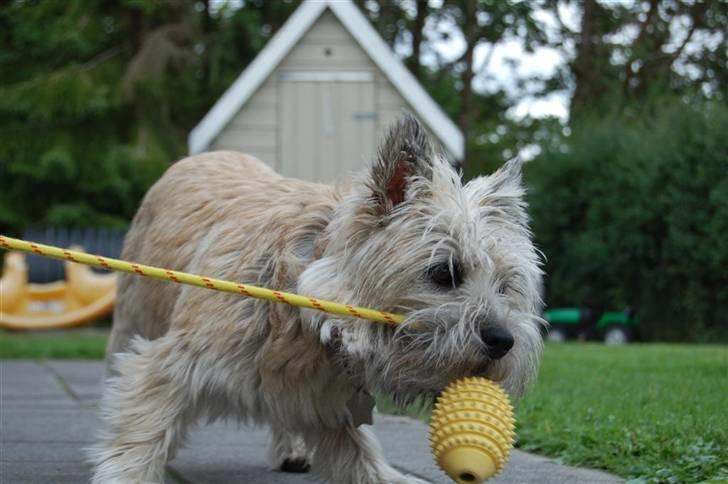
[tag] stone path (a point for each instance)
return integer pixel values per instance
(48, 415)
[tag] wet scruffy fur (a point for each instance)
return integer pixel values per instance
(405, 236)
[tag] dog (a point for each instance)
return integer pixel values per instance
(407, 236)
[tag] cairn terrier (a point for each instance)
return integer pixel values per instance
(406, 236)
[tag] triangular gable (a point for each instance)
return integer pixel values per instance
(448, 134)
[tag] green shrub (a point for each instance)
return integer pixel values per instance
(634, 213)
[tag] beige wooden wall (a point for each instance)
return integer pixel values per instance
(257, 128)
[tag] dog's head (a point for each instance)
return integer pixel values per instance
(456, 259)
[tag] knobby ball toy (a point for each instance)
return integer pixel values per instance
(472, 430)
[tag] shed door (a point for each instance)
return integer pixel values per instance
(327, 123)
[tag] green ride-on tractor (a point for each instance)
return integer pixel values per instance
(612, 327)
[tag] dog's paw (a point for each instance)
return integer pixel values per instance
(295, 466)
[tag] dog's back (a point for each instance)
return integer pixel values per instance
(407, 236)
(200, 203)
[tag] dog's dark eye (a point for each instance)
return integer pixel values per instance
(446, 276)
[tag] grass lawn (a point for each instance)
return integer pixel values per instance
(658, 413)
(71, 344)
(651, 413)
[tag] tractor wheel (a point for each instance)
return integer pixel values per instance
(556, 335)
(617, 335)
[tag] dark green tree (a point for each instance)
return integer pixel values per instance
(96, 98)
(626, 204)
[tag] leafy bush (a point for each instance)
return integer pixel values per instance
(634, 213)
(97, 98)
(649, 413)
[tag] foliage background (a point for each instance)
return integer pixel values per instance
(629, 196)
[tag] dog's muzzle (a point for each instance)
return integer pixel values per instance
(498, 341)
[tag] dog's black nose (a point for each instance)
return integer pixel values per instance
(498, 341)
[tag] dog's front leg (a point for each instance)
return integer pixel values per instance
(352, 455)
(145, 413)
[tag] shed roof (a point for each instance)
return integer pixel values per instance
(288, 36)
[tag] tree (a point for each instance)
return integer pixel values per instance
(631, 212)
(626, 203)
(97, 102)
(627, 55)
(482, 24)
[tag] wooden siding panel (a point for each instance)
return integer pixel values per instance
(328, 128)
(267, 156)
(287, 129)
(300, 117)
(331, 56)
(391, 106)
(366, 118)
(255, 127)
(318, 130)
(326, 29)
(308, 120)
(256, 117)
(248, 138)
(387, 95)
(327, 33)
(266, 95)
(346, 137)
(386, 118)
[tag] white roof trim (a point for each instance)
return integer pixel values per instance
(253, 76)
(288, 36)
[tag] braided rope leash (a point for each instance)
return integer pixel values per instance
(297, 300)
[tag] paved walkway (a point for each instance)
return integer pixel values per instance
(47, 416)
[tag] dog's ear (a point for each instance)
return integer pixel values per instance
(509, 176)
(501, 191)
(404, 156)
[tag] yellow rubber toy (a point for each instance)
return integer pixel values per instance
(472, 430)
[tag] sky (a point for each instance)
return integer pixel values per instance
(500, 71)
(510, 61)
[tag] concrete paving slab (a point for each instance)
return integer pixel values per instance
(60, 425)
(31, 452)
(406, 445)
(82, 378)
(45, 403)
(70, 472)
(28, 379)
(227, 452)
(45, 423)
(227, 434)
(217, 465)
(221, 453)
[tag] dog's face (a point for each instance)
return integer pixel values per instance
(457, 260)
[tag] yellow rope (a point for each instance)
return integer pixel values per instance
(200, 281)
